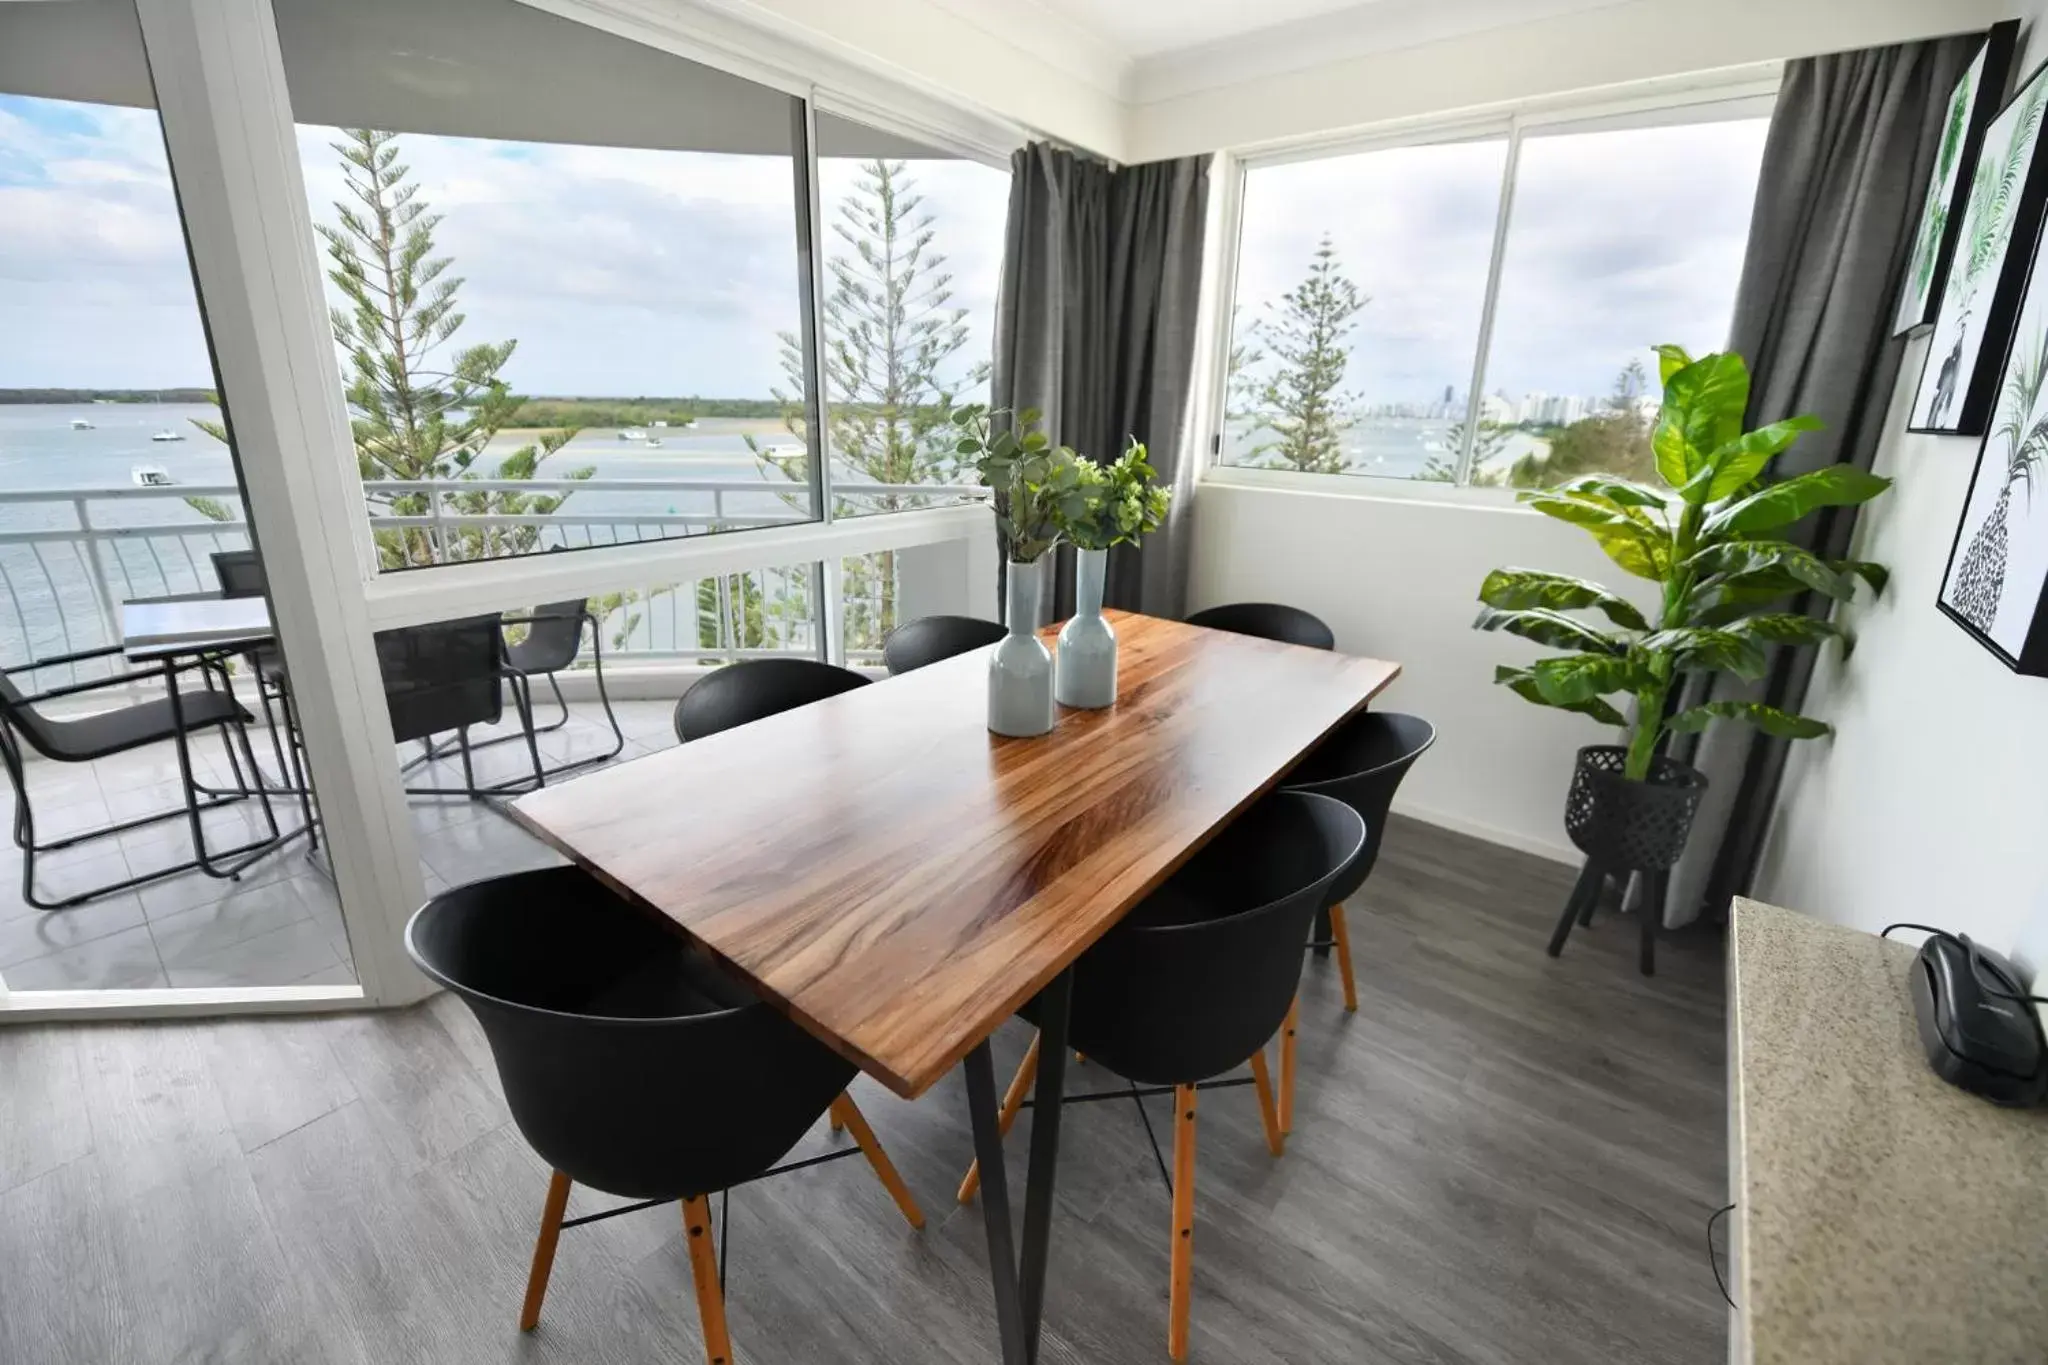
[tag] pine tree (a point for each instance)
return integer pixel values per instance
(1304, 402)
(891, 360)
(416, 421)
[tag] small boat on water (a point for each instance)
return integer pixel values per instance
(167, 434)
(151, 476)
(632, 434)
(80, 424)
(660, 423)
(654, 440)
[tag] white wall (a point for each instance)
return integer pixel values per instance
(1566, 53)
(1930, 802)
(1399, 579)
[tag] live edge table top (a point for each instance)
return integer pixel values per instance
(898, 879)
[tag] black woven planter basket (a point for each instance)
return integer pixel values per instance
(1631, 826)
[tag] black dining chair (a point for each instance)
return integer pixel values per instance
(630, 1062)
(1268, 621)
(116, 730)
(754, 689)
(550, 642)
(929, 639)
(1196, 980)
(240, 573)
(446, 677)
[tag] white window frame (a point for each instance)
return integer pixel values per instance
(227, 120)
(1733, 93)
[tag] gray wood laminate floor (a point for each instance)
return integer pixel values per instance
(1499, 1158)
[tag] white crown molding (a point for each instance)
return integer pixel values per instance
(1365, 29)
(1053, 36)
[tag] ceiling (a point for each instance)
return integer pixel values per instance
(1144, 50)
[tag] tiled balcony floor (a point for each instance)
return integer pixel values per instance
(281, 923)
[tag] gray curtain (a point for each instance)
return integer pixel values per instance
(1095, 326)
(1847, 161)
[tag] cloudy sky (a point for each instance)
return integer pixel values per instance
(1620, 240)
(619, 271)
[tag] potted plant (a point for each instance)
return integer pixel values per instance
(1707, 540)
(1028, 476)
(1109, 505)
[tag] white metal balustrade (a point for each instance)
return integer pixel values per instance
(61, 585)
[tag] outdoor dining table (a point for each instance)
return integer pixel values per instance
(899, 880)
(167, 630)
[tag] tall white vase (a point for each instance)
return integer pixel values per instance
(1020, 673)
(1086, 673)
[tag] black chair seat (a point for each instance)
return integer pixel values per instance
(131, 727)
(553, 636)
(1268, 621)
(1362, 764)
(929, 639)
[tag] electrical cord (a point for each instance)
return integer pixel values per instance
(1714, 1264)
(1988, 986)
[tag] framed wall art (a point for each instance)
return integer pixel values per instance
(1971, 106)
(1996, 585)
(1980, 291)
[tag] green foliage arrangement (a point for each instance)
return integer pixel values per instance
(1116, 504)
(1706, 540)
(1029, 475)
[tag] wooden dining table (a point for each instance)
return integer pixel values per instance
(899, 880)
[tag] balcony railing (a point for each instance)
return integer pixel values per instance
(70, 556)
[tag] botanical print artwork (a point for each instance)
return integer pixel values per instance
(1941, 196)
(1996, 577)
(1996, 190)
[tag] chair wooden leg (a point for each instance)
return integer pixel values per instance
(544, 1250)
(1341, 932)
(833, 1118)
(849, 1115)
(1262, 1081)
(704, 1271)
(1287, 1067)
(1183, 1274)
(1013, 1102)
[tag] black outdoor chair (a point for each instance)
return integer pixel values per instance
(630, 1062)
(929, 639)
(1268, 621)
(447, 677)
(1196, 979)
(241, 575)
(116, 731)
(754, 689)
(1362, 765)
(551, 642)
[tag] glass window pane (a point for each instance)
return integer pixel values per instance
(1361, 281)
(118, 489)
(566, 318)
(913, 250)
(1622, 240)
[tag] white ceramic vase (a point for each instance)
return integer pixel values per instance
(1020, 670)
(1086, 672)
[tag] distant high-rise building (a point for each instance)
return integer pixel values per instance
(1450, 395)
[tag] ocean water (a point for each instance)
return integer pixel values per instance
(49, 601)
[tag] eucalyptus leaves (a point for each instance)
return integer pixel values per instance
(1045, 493)
(1706, 541)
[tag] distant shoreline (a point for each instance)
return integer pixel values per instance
(638, 408)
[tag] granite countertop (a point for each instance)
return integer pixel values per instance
(1885, 1215)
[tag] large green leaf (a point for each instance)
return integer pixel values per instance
(1787, 628)
(1769, 719)
(1516, 589)
(1522, 685)
(1876, 575)
(1552, 628)
(1707, 649)
(1743, 458)
(1577, 677)
(1746, 562)
(1670, 360)
(1614, 492)
(1630, 541)
(1781, 504)
(1703, 407)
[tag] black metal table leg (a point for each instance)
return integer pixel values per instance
(995, 1204)
(1053, 1003)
